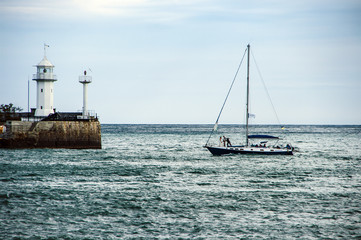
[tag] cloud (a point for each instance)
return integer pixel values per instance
(109, 7)
(164, 11)
(159, 10)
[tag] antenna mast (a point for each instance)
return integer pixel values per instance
(45, 45)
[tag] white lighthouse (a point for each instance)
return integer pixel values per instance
(85, 80)
(45, 87)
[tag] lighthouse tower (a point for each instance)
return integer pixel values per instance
(85, 80)
(45, 79)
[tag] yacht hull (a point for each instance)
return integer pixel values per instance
(217, 151)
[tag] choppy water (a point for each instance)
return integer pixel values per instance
(157, 182)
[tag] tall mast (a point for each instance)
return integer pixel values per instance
(247, 114)
(28, 98)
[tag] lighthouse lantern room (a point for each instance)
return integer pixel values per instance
(45, 87)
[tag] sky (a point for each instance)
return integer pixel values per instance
(172, 61)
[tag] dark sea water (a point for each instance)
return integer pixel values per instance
(157, 182)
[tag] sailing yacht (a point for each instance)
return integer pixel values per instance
(261, 148)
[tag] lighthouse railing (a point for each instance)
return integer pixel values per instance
(44, 76)
(85, 79)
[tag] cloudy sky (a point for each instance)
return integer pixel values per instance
(172, 61)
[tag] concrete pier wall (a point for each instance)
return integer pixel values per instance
(52, 134)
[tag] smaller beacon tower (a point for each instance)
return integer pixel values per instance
(85, 80)
(45, 79)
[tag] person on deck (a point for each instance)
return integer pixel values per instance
(224, 141)
(228, 143)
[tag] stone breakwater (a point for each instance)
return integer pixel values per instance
(52, 134)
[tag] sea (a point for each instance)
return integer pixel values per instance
(158, 182)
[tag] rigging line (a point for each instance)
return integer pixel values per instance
(264, 85)
(229, 91)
